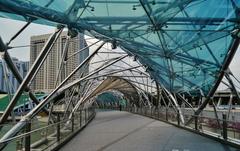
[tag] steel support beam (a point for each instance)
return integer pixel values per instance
(87, 77)
(232, 86)
(19, 32)
(18, 76)
(100, 69)
(184, 100)
(82, 50)
(39, 61)
(224, 68)
(176, 105)
(114, 72)
(68, 104)
(63, 59)
(16, 128)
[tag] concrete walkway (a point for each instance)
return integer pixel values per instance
(122, 131)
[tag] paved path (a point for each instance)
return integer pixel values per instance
(122, 131)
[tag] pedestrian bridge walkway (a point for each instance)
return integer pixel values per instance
(123, 131)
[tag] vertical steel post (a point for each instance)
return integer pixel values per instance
(224, 125)
(85, 115)
(196, 121)
(28, 137)
(178, 118)
(73, 122)
(80, 117)
(151, 112)
(166, 114)
(58, 127)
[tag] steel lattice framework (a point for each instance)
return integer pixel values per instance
(184, 46)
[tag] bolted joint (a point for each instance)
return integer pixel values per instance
(227, 71)
(60, 26)
(114, 44)
(72, 32)
(236, 33)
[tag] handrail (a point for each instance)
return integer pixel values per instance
(175, 120)
(89, 114)
(33, 131)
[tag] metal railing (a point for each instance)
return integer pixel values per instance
(42, 136)
(222, 129)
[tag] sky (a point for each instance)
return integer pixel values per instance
(9, 27)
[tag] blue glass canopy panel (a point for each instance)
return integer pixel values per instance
(183, 44)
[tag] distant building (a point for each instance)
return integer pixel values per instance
(46, 77)
(7, 79)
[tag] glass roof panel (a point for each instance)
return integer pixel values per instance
(183, 44)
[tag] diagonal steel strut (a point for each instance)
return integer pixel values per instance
(16, 128)
(224, 68)
(18, 76)
(28, 77)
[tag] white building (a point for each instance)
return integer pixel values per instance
(46, 77)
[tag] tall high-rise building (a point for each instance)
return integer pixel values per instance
(8, 82)
(46, 77)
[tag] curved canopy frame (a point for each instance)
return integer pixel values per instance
(184, 49)
(118, 84)
(183, 46)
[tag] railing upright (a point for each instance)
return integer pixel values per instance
(73, 122)
(28, 137)
(58, 127)
(80, 117)
(196, 121)
(224, 126)
(178, 118)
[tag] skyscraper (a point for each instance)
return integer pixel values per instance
(8, 81)
(46, 78)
